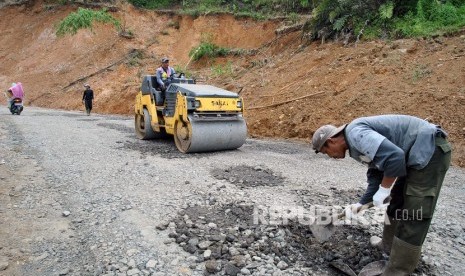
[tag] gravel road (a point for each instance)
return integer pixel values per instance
(80, 195)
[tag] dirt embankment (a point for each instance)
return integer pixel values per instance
(289, 89)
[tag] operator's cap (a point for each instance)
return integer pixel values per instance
(165, 59)
(86, 85)
(322, 134)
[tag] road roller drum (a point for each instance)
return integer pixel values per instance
(203, 136)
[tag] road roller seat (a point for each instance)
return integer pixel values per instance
(150, 86)
(155, 83)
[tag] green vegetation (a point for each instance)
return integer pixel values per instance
(84, 18)
(222, 70)
(385, 19)
(250, 8)
(179, 69)
(208, 49)
(340, 19)
(441, 18)
(152, 4)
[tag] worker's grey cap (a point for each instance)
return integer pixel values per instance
(165, 59)
(322, 134)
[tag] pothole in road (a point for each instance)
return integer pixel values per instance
(247, 176)
(228, 240)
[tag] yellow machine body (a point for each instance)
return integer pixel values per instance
(200, 117)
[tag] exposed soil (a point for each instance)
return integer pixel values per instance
(422, 77)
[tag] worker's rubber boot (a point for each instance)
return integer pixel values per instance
(385, 243)
(403, 259)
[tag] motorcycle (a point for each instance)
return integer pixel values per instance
(16, 106)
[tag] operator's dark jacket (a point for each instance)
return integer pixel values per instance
(88, 97)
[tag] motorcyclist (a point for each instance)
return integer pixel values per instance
(14, 92)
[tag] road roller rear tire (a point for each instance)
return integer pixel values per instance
(182, 136)
(143, 128)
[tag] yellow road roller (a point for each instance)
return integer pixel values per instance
(201, 117)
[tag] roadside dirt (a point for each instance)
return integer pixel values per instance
(421, 77)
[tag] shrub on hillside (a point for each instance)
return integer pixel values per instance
(249, 7)
(84, 18)
(391, 18)
(207, 49)
(152, 4)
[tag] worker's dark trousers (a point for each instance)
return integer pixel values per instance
(88, 105)
(414, 197)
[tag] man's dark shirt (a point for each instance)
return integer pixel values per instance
(88, 95)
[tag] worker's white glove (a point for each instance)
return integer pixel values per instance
(351, 212)
(380, 196)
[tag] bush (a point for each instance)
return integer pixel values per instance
(221, 70)
(443, 18)
(207, 49)
(84, 18)
(385, 19)
(446, 15)
(152, 4)
(256, 8)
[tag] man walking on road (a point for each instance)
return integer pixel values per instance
(87, 98)
(407, 159)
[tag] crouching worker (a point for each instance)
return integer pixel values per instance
(407, 159)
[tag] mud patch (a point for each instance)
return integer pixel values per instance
(120, 128)
(246, 176)
(226, 238)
